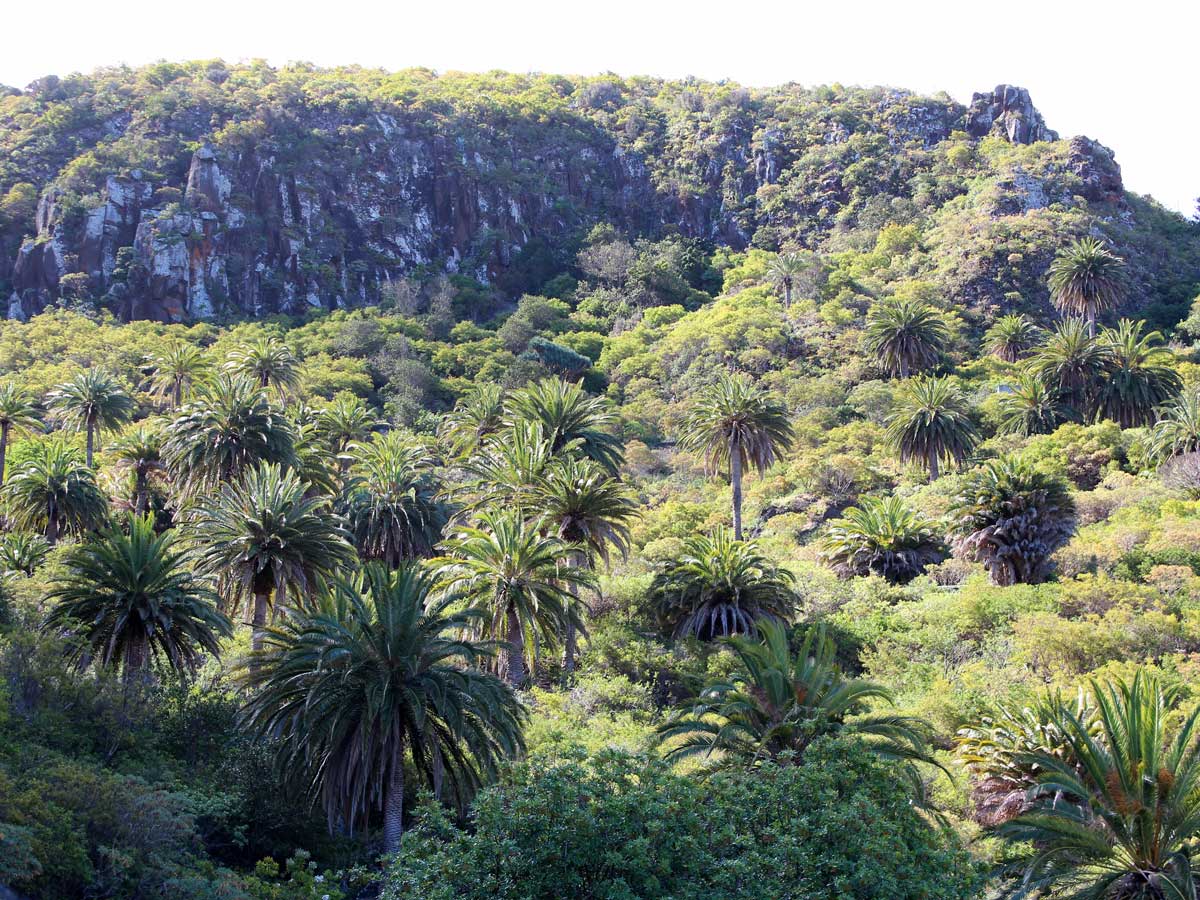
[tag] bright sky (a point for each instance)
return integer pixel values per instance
(1123, 73)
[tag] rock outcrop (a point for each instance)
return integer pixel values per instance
(1009, 112)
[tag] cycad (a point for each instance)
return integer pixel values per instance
(1085, 280)
(1139, 375)
(93, 401)
(719, 586)
(569, 417)
(54, 492)
(930, 424)
(1030, 406)
(906, 336)
(881, 536)
(176, 371)
(1011, 337)
(18, 412)
(735, 424)
(371, 673)
(269, 362)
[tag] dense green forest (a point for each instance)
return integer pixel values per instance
(805, 505)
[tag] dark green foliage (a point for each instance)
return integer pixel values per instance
(905, 336)
(54, 492)
(836, 828)
(568, 415)
(1030, 406)
(1011, 337)
(931, 425)
(1085, 280)
(1138, 375)
(881, 536)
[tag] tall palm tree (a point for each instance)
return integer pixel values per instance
(1120, 819)
(905, 335)
(140, 452)
(54, 492)
(1011, 517)
(1030, 406)
(368, 674)
(1139, 375)
(783, 272)
(519, 579)
(1072, 363)
(584, 506)
(1011, 337)
(1178, 428)
(346, 420)
(92, 401)
(391, 500)
(18, 412)
(263, 538)
(312, 460)
(1085, 280)
(569, 418)
(477, 416)
(931, 424)
(505, 467)
(269, 362)
(881, 536)
(227, 428)
(776, 703)
(132, 597)
(721, 586)
(176, 371)
(736, 423)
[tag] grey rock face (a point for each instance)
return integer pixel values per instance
(1008, 112)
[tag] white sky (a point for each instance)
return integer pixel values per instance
(1123, 73)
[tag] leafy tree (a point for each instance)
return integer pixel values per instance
(1139, 375)
(720, 586)
(140, 452)
(1119, 819)
(1072, 362)
(881, 536)
(569, 418)
(263, 538)
(391, 504)
(1178, 428)
(1011, 337)
(478, 415)
(92, 401)
(18, 412)
(1029, 407)
(784, 270)
(269, 362)
(1011, 517)
(55, 493)
(776, 703)
(516, 576)
(584, 506)
(369, 674)
(228, 428)
(905, 335)
(176, 371)
(736, 423)
(132, 597)
(1085, 280)
(930, 423)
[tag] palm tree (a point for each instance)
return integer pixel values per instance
(346, 420)
(506, 466)
(228, 428)
(312, 459)
(92, 401)
(1030, 406)
(176, 371)
(132, 597)
(391, 502)
(267, 361)
(736, 423)
(585, 507)
(1072, 363)
(263, 538)
(570, 419)
(519, 579)
(905, 335)
(477, 416)
(775, 704)
(881, 536)
(1085, 280)
(1120, 819)
(368, 674)
(54, 492)
(1011, 517)
(1011, 337)
(1178, 428)
(22, 552)
(931, 424)
(18, 412)
(783, 270)
(721, 586)
(1139, 375)
(140, 452)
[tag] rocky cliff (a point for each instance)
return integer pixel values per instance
(201, 190)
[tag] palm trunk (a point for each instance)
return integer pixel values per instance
(787, 295)
(515, 653)
(933, 467)
(735, 480)
(262, 602)
(1091, 322)
(91, 440)
(177, 393)
(393, 807)
(51, 523)
(576, 561)
(3, 447)
(143, 495)
(136, 659)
